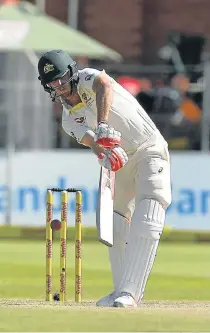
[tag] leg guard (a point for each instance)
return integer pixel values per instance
(117, 251)
(146, 228)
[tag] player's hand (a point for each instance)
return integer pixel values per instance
(107, 136)
(113, 159)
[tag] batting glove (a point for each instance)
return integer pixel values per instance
(114, 159)
(107, 136)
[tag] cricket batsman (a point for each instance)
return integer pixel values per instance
(102, 115)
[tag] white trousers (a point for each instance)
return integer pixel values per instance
(146, 175)
(142, 187)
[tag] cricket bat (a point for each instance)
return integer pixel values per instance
(104, 212)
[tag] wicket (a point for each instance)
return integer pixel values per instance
(63, 243)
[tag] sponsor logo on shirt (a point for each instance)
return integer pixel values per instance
(88, 77)
(80, 120)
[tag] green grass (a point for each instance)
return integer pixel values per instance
(181, 272)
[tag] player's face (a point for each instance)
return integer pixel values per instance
(61, 86)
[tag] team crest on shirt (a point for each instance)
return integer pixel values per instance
(86, 99)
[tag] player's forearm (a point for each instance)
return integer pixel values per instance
(88, 140)
(104, 94)
(103, 102)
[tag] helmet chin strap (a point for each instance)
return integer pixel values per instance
(64, 102)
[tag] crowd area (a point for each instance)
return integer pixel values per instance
(174, 103)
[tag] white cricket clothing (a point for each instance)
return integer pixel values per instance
(146, 175)
(145, 232)
(126, 114)
(142, 186)
(121, 230)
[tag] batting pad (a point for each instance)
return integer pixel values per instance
(146, 228)
(121, 229)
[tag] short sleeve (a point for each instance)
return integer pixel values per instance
(75, 127)
(87, 77)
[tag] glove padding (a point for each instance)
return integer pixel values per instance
(107, 136)
(114, 158)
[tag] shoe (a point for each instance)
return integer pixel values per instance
(107, 301)
(124, 300)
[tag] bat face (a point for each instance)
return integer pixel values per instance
(104, 213)
(108, 181)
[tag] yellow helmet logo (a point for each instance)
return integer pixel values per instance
(48, 68)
